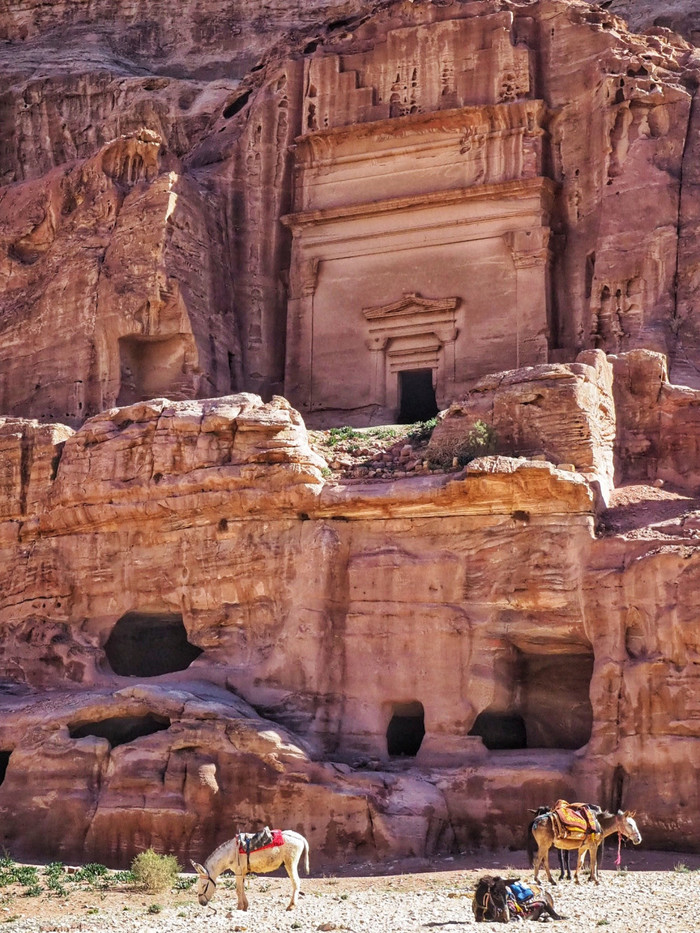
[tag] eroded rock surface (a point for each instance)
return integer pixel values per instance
(182, 586)
(199, 632)
(149, 159)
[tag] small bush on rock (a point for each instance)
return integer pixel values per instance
(153, 872)
(460, 450)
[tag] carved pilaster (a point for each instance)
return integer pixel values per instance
(308, 275)
(528, 247)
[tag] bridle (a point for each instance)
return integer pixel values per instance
(208, 880)
(484, 907)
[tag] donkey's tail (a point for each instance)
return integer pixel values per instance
(531, 846)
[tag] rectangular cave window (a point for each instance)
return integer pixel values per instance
(233, 382)
(4, 762)
(416, 396)
(406, 729)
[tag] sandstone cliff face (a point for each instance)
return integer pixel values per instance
(219, 298)
(208, 601)
(198, 632)
(677, 15)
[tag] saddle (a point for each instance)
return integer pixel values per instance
(252, 842)
(572, 820)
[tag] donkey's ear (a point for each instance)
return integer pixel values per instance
(200, 869)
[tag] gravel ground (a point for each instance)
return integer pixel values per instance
(653, 893)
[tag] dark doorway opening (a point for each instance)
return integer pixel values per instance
(406, 729)
(120, 730)
(544, 702)
(499, 731)
(144, 644)
(416, 396)
(4, 762)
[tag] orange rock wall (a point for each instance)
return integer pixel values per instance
(146, 168)
(321, 611)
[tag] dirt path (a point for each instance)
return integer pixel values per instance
(653, 893)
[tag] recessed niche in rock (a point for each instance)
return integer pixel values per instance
(119, 730)
(4, 762)
(406, 729)
(547, 703)
(555, 699)
(416, 396)
(500, 731)
(150, 367)
(146, 644)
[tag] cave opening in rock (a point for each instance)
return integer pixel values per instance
(543, 702)
(500, 731)
(416, 396)
(120, 730)
(4, 762)
(406, 729)
(150, 367)
(146, 644)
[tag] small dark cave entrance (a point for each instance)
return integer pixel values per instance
(120, 730)
(499, 731)
(144, 644)
(545, 703)
(406, 729)
(4, 762)
(416, 396)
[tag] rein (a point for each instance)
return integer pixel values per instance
(485, 906)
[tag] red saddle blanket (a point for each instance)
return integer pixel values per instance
(573, 818)
(277, 840)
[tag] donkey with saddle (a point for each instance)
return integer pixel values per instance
(503, 899)
(577, 826)
(563, 854)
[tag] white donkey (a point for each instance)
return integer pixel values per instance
(229, 857)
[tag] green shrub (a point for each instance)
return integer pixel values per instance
(422, 431)
(92, 873)
(153, 872)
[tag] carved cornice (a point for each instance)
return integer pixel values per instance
(490, 119)
(409, 304)
(520, 189)
(412, 316)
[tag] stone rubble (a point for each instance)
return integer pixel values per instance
(624, 902)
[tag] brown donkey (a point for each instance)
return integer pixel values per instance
(545, 837)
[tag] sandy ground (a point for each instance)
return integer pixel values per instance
(652, 893)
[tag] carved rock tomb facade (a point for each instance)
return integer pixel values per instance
(421, 222)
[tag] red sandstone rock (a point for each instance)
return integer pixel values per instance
(197, 634)
(175, 277)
